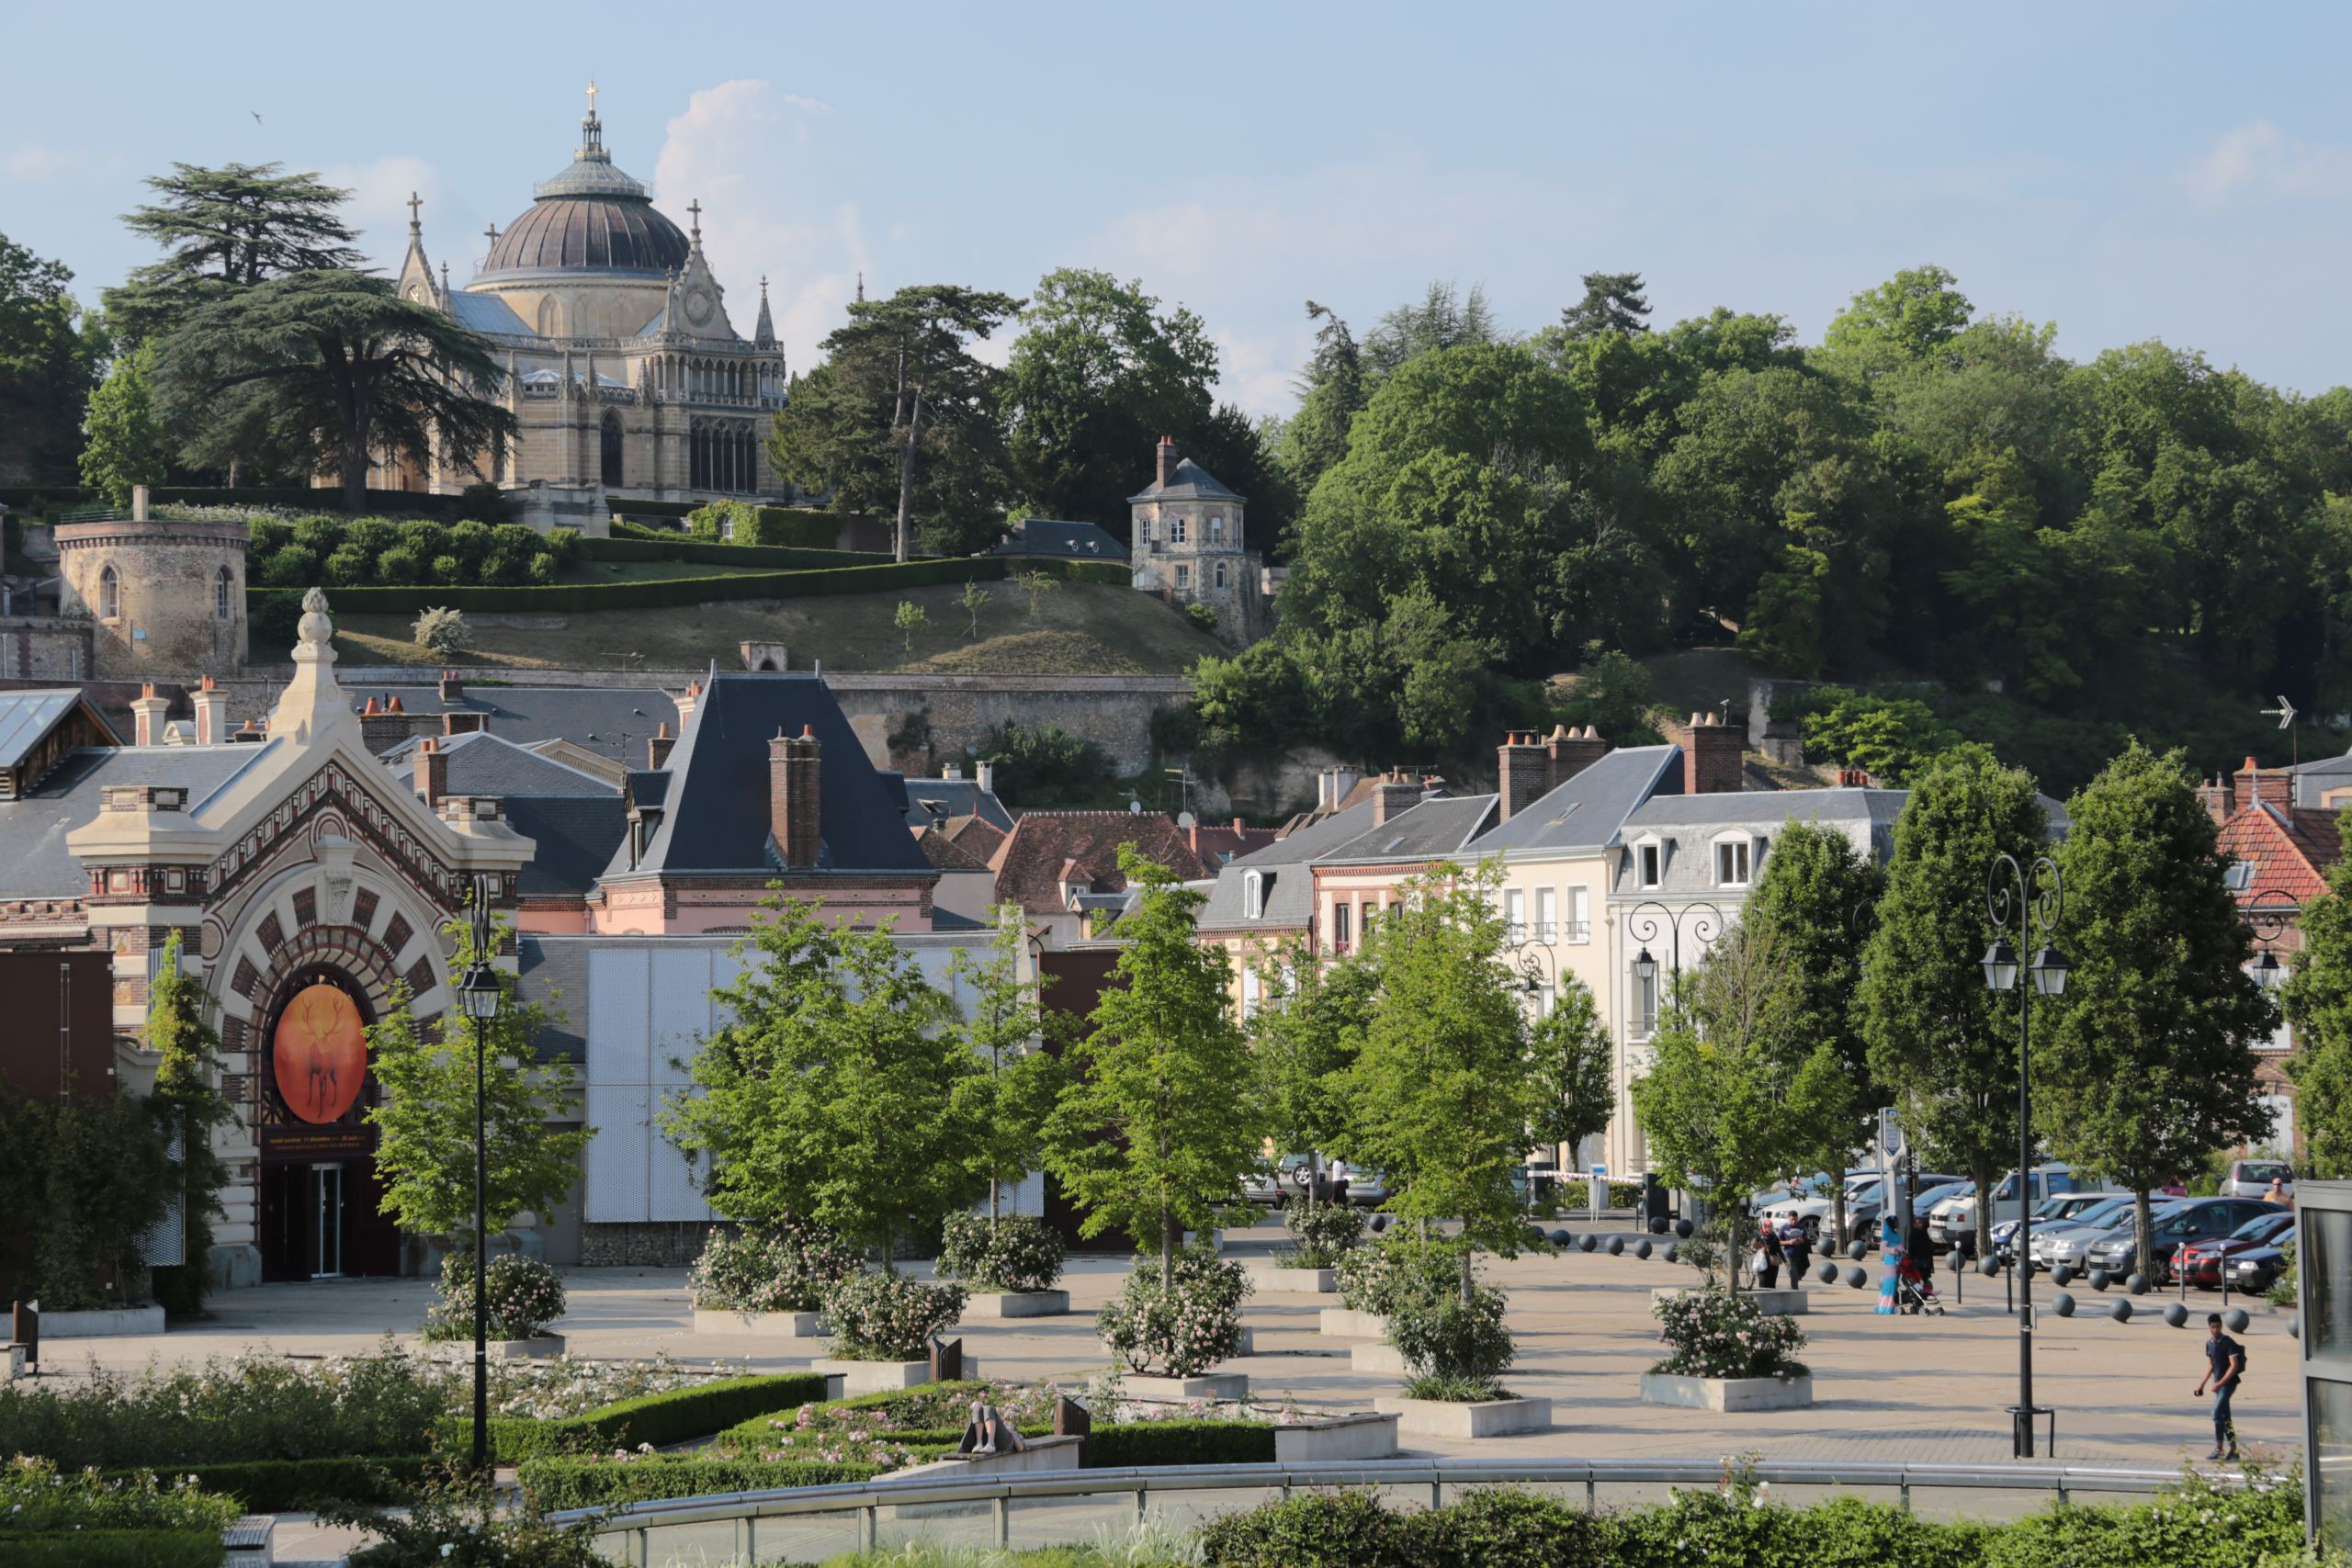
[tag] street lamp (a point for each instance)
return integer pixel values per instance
(2032, 896)
(2269, 924)
(477, 997)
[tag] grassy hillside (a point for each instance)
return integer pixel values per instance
(1081, 629)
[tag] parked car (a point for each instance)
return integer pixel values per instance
(1271, 1184)
(2252, 1178)
(1862, 1217)
(1957, 1216)
(2202, 1261)
(2050, 1213)
(2069, 1240)
(1812, 1211)
(1366, 1188)
(2189, 1219)
(2257, 1269)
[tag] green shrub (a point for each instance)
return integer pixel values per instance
(543, 569)
(113, 1549)
(349, 567)
(1190, 1326)
(424, 538)
(1180, 1441)
(1717, 1333)
(1201, 616)
(449, 570)
(400, 564)
(659, 1420)
(1310, 1532)
(296, 566)
(284, 1485)
(1464, 1346)
(1322, 1232)
(1499, 1528)
(878, 1317)
(786, 1266)
(443, 630)
(506, 569)
(456, 1527)
(484, 499)
(372, 535)
(469, 541)
(552, 1484)
(273, 623)
(1012, 1252)
(318, 532)
(525, 1295)
(1397, 1269)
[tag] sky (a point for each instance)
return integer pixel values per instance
(2127, 172)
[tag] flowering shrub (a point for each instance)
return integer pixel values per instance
(890, 1431)
(35, 1496)
(1456, 1350)
(1190, 1327)
(1324, 1234)
(1396, 1270)
(525, 1295)
(1715, 1334)
(888, 1318)
(1014, 1252)
(786, 1267)
(552, 1390)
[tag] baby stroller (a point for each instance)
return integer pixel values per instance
(1914, 1290)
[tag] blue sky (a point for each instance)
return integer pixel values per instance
(2125, 170)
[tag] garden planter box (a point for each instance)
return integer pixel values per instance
(538, 1346)
(1273, 1279)
(1729, 1395)
(1041, 1453)
(1016, 1304)
(780, 1325)
(1203, 1385)
(1343, 1438)
(1249, 1345)
(101, 1325)
(1376, 1359)
(1347, 1323)
(880, 1377)
(1772, 1303)
(1483, 1419)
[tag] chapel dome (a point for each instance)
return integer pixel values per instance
(589, 218)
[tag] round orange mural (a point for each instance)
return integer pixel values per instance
(320, 1052)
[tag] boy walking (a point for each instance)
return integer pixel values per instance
(2225, 1365)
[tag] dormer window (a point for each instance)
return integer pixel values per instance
(1649, 860)
(1733, 861)
(1253, 895)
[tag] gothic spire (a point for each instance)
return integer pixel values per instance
(763, 335)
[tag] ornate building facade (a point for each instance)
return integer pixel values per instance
(1187, 543)
(623, 369)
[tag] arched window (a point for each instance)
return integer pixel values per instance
(550, 318)
(1253, 895)
(1220, 574)
(223, 585)
(609, 441)
(109, 595)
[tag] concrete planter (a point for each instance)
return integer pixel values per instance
(1202, 1385)
(1341, 1439)
(1384, 1359)
(539, 1347)
(1483, 1418)
(101, 1325)
(1347, 1323)
(1016, 1304)
(1772, 1303)
(1728, 1394)
(1273, 1279)
(879, 1377)
(767, 1325)
(1041, 1453)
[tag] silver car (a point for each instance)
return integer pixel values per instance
(2070, 1241)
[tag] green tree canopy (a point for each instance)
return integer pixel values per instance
(47, 367)
(1573, 1067)
(1304, 1039)
(125, 446)
(224, 230)
(2318, 999)
(1613, 302)
(1007, 1101)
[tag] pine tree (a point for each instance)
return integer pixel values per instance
(124, 445)
(1613, 302)
(222, 230)
(188, 1099)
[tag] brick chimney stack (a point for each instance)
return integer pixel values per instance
(1393, 795)
(657, 749)
(1712, 763)
(693, 694)
(795, 775)
(1568, 753)
(2219, 795)
(1520, 764)
(1167, 460)
(430, 766)
(147, 716)
(2256, 786)
(453, 690)
(211, 714)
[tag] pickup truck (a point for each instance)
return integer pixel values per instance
(1957, 1216)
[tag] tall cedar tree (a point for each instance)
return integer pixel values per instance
(1613, 302)
(1302, 1041)
(1153, 1133)
(188, 1099)
(1329, 394)
(2319, 1004)
(1815, 894)
(224, 230)
(1572, 1062)
(2146, 1064)
(840, 1092)
(345, 368)
(1007, 1101)
(1444, 1087)
(425, 1123)
(1939, 1046)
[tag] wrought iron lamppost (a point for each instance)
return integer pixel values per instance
(2031, 898)
(478, 994)
(1645, 929)
(2269, 924)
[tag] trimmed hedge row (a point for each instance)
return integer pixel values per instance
(62, 498)
(659, 1420)
(744, 524)
(553, 1484)
(653, 508)
(282, 1485)
(1179, 1443)
(112, 1549)
(678, 547)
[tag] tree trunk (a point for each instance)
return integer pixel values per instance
(2143, 1231)
(1468, 1282)
(1838, 1236)
(1166, 1252)
(355, 478)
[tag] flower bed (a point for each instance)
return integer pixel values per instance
(889, 1430)
(1715, 1334)
(787, 1267)
(1320, 1236)
(655, 1419)
(584, 1483)
(48, 1516)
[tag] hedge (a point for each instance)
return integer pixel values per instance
(661, 1419)
(677, 547)
(282, 1485)
(1145, 1443)
(112, 1549)
(62, 498)
(624, 507)
(553, 1484)
(745, 523)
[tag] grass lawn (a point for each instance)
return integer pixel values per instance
(1083, 628)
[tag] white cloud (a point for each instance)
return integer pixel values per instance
(379, 207)
(38, 163)
(2260, 162)
(760, 161)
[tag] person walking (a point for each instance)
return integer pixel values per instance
(1340, 1179)
(1768, 1257)
(2225, 1366)
(1797, 1249)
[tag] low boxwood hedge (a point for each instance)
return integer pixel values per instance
(680, 547)
(568, 1482)
(659, 1420)
(112, 1548)
(1144, 1443)
(282, 1485)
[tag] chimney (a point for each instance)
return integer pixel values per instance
(453, 690)
(138, 512)
(1853, 778)
(2274, 788)
(249, 734)
(794, 776)
(431, 771)
(952, 772)
(2219, 797)
(1520, 768)
(147, 714)
(1711, 757)
(211, 714)
(383, 726)
(1568, 753)
(464, 723)
(657, 749)
(686, 704)
(1394, 795)
(984, 775)
(1167, 460)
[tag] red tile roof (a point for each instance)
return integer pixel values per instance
(1216, 845)
(1045, 847)
(2290, 849)
(962, 843)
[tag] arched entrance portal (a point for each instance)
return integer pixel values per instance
(319, 1213)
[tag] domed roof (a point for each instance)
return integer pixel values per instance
(589, 218)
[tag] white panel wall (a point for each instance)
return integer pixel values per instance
(646, 1007)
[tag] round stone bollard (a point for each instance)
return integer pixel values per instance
(1857, 1278)
(2235, 1320)
(1673, 1251)
(2295, 1328)
(1683, 1229)
(2098, 1278)
(2063, 1304)
(2121, 1311)
(2137, 1285)
(1826, 1273)
(2175, 1315)
(1989, 1267)
(1857, 1250)
(1558, 1237)
(1586, 1242)
(1642, 1247)
(1616, 1247)
(2063, 1276)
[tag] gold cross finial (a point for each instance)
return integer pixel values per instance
(592, 98)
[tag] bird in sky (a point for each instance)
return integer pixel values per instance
(256, 114)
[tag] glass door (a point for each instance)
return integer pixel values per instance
(326, 1204)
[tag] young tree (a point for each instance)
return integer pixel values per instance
(189, 1099)
(1572, 1062)
(2147, 1064)
(345, 367)
(1152, 1134)
(1444, 1087)
(1304, 1039)
(425, 1123)
(1938, 1043)
(1613, 302)
(223, 231)
(909, 618)
(974, 599)
(1007, 1101)
(124, 445)
(1037, 583)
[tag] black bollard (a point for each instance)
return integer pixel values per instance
(2235, 1320)
(1616, 1247)
(1642, 1247)
(2137, 1285)
(2176, 1314)
(2063, 1304)
(2121, 1311)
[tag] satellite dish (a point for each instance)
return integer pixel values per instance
(1186, 819)
(1134, 808)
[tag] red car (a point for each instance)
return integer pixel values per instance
(2201, 1261)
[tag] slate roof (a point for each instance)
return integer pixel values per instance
(1051, 536)
(2319, 774)
(1690, 822)
(1287, 882)
(1219, 844)
(485, 762)
(576, 837)
(716, 818)
(1586, 812)
(613, 233)
(1030, 864)
(487, 313)
(954, 799)
(35, 863)
(26, 717)
(1189, 482)
(595, 717)
(1431, 830)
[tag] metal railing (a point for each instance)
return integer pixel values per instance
(1065, 1507)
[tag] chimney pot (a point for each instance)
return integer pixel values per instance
(795, 780)
(453, 690)
(1521, 770)
(984, 775)
(429, 771)
(1712, 757)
